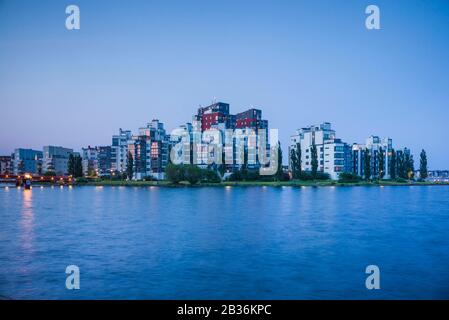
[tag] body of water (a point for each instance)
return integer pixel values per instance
(225, 243)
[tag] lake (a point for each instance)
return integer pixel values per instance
(225, 242)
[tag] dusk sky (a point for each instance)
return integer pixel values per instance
(301, 62)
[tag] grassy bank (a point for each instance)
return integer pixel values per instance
(291, 183)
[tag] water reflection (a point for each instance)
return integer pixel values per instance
(27, 220)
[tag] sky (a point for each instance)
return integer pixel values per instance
(301, 62)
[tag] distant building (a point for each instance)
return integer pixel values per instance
(26, 161)
(119, 151)
(5, 165)
(333, 155)
(436, 175)
(56, 159)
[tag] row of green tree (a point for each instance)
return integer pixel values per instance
(191, 173)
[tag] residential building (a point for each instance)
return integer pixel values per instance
(5, 165)
(333, 155)
(251, 118)
(215, 115)
(181, 143)
(26, 161)
(243, 139)
(97, 160)
(119, 150)
(150, 151)
(89, 161)
(104, 158)
(374, 145)
(56, 159)
(137, 147)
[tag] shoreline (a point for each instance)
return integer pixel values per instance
(326, 183)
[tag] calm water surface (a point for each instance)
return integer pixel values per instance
(224, 243)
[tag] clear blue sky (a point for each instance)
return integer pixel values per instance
(301, 62)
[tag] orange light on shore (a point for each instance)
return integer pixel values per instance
(27, 176)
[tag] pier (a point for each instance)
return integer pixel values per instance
(27, 180)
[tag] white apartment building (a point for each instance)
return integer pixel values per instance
(333, 155)
(89, 157)
(373, 144)
(119, 152)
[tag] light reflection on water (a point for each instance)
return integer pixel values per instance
(27, 220)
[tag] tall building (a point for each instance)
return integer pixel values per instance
(97, 160)
(104, 160)
(250, 122)
(251, 118)
(216, 115)
(56, 159)
(333, 155)
(244, 140)
(119, 151)
(373, 145)
(150, 151)
(89, 161)
(181, 142)
(5, 165)
(26, 161)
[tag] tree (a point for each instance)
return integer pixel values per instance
(192, 173)
(244, 167)
(78, 167)
(314, 161)
(393, 165)
(280, 171)
(174, 173)
(367, 164)
(348, 177)
(400, 165)
(298, 157)
(71, 165)
(409, 167)
(211, 176)
(423, 172)
(295, 161)
(381, 163)
(130, 166)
